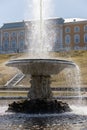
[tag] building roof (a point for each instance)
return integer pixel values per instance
(70, 20)
(24, 23)
(51, 20)
(13, 25)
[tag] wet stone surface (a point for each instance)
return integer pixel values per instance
(39, 106)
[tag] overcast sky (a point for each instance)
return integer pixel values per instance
(18, 10)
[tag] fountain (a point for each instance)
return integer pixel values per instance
(40, 94)
(40, 97)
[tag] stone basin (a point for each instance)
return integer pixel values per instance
(40, 94)
(40, 71)
(40, 66)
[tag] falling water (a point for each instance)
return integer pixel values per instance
(78, 80)
(73, 80)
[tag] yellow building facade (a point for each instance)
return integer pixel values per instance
(75, 35)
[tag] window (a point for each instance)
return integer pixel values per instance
(77, 38)
(6, 41)
(22, 33)
(85, 28)
(21, 44)
(85, 38)
(67, 29)
(13, 44)
(67, 39)
(13, 41)
(13, 34)
(6, 45)
(76, 29)
(6, 34)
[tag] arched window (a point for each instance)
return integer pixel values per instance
(85, 38)
(6, 34)
(21, 45)
(21, 33)
(13, 41)
(77, 29)
(6, 41)
(13, 34)
(67, 30)
(76, 38)
(85, 28)
(67, 39)
(21, 40)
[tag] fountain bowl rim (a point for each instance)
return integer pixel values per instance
(19, 61)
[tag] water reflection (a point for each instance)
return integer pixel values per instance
(76, 120)
(66, 121)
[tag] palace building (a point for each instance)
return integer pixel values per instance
(75, 34)
(62, 35)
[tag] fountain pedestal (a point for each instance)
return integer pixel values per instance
(40, 87)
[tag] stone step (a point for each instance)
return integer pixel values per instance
(53, 88)
(15, 80)
(56, 97)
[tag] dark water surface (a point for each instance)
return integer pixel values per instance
(75, 120)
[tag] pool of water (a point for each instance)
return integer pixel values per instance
(75, 120)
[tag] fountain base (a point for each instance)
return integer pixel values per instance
(39, 106)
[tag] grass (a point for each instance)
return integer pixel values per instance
(12, 93)
(79, 57)
(6, 72)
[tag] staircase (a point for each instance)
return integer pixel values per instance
(15, 80)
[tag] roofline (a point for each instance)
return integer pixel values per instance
(75, 22)
(14, 22)
(34, 20)
(9, 29)
(54, 18)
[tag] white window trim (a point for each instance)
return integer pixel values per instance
(76, 29)
(85, 35)
(85, 28)
(76, 35)
(6, 34)
(67, 28)
(67, 39)
(12, 34)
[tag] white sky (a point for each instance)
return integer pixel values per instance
(18, 10)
